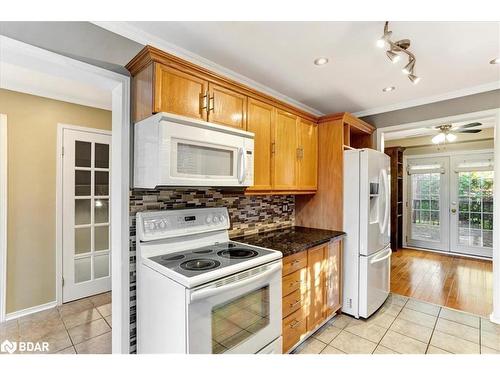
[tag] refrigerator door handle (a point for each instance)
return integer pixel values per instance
(381, 258)
(387, 201)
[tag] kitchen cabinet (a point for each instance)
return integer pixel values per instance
(307, 166)
(226, 106)
(333, 277)
(316, 277)
(285, 151)
(260, 121)
(180, 93)
(311, 286)
(286, 138)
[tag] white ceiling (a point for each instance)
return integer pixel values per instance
(452, 58)
(27, 69)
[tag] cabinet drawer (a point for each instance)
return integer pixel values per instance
(294, 262)
(294, 328)
(294, 281)
(293, 302)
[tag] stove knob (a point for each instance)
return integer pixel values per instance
(221, 218)
(208, 220)
(215, 220)
(150, 225)
(162, 224)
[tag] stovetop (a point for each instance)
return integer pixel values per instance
(198, 261)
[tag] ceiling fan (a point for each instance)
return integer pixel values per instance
(447, 133)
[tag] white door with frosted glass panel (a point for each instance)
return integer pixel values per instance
(471, 204)
(428, 197)
(86, 213)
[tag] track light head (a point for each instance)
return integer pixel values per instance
(413, 78)
(408, 69)
(393, 56)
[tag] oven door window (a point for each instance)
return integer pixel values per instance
(201, 160)
(235, 321)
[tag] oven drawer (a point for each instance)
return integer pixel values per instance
(293, 302)
(294, 262)
(294, 328)
(294, 281)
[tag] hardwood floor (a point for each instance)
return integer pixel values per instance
(456, 282)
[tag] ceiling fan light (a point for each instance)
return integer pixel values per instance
(438, 138)
(393, 56)
(413, 78)
(450, 137)
(380, 43)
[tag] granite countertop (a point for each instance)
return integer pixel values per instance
(290, 240)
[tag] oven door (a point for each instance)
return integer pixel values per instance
(206, 157)
(238, 314)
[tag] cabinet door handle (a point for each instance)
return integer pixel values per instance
(273, 147)
(211, 99)
(294, 324)
(298, 153)
(203, 101)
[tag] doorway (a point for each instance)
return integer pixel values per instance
(85, 212)
(450, 203)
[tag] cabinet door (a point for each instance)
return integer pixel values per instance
(226, 107)
(260, 122)
(315, 265)
(180, 93)
(333, 277)
(285, 151)
(307, 138)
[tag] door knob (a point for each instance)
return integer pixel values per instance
(453, 210)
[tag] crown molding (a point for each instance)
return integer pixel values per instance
(137, 35)
(430, 99)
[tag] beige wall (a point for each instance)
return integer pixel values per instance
(32, 138)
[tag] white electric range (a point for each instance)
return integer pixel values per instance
(199, 292)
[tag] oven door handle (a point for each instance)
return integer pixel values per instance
(210, 291)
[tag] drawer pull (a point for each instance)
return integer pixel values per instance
(294, 324)
(297, 282)
(294, 262)
(295, 303)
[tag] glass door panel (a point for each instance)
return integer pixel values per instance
(472, 205)
(427, 222)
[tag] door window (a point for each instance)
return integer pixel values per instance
(235, 321)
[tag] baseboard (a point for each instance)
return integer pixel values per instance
(450, 253)
(30, 310)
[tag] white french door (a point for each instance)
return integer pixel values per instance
(450, 203)
(86, 213)
(428, 198)
(471, 209)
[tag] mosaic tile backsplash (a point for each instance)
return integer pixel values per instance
(248, 215)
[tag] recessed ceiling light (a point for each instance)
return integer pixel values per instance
(388, 88)
(321, 61)
(495, 61)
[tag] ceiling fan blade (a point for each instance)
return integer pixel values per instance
(471, 125)
(468, 131)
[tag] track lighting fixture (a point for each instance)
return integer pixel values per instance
(394, 51)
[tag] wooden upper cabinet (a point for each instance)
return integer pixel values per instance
(180, 93)
(315, 266)
(226, 106)
(333, 277)
(260, 121)
(285, 151)
(307, 139)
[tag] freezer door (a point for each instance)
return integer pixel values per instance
(374, 281)
(375, 201)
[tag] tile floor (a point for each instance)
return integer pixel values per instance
(82, 326)
(406, 326)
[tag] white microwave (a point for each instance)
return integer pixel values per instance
(172, 150)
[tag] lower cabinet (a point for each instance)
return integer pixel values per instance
(311, 287)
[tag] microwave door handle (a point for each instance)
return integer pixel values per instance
(207, 292)
(242, 165)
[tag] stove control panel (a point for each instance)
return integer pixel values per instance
(155, 225)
